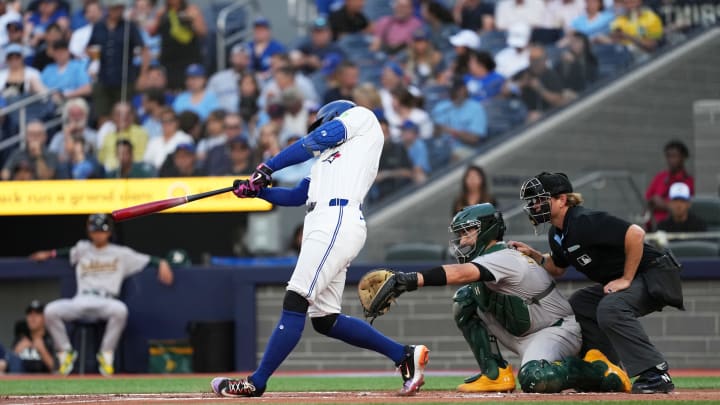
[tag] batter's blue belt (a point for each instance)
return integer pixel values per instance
(334, 202)
(99, 293)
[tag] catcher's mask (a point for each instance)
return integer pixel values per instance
(537, 191)
(483, 222)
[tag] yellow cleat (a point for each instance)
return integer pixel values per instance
(504, 383)
(105, 368)
(67, 362)
(594, 355)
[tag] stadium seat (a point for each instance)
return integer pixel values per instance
(694, 248)
(612, 59)
(493, 41)
(356, 47)
(707, 208)
(434, 94)
(415, 251)
(504, 115)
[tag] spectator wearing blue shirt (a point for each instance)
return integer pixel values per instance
(262, 47)
(482, 81)
(116, 57)
(595, 22)
(416, 149)
(196, 98)
(48, 12)
(67, 76)
(462, 119)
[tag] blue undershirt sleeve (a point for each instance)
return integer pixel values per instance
(287, 197)
(292, 155)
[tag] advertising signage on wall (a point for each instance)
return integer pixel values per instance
(59, 197)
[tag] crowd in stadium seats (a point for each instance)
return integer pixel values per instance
(442, 76)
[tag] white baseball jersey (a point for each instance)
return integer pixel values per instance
(334, 232)
(554, 333)
(105, 268)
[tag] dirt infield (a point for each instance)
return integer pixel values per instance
(712, 396)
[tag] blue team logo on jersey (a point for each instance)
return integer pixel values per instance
(332, 157)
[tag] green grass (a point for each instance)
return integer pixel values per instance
(179, 384)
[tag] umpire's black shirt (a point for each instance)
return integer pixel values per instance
(594, 243)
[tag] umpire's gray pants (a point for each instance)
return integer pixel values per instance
(610, 324)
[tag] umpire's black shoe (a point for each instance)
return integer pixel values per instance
(653, 382)
(230, 387)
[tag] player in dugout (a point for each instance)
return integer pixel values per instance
(100, 268)
(506, 298)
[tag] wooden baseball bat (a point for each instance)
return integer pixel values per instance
(155, 206)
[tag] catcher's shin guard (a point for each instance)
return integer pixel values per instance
(476, 335)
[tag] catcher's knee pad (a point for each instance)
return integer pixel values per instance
(464, 306)
(542, 376)
(323, 324)
(295, 302)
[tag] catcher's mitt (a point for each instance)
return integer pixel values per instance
(380, 287)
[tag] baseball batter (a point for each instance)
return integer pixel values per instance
(510, 299)
(100, 268)
(348, 140)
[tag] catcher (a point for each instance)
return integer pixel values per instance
(507, 297)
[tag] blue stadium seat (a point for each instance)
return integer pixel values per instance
(416, 251)
(433, 94)
(612, 59)
(376, 9)
(707, 208)
(504, 114)
(493, 41)
(694, 248)
(356, 47)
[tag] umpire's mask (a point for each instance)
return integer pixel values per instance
(537, 201)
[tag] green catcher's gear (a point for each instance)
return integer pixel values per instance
(483, 219)
(476, 334)
(541, 376)
(511, 312)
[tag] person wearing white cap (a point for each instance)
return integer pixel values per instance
(680, 218)
(509, 12)
(466, 39)
(516, 56)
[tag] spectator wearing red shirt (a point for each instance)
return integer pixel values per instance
(676, 153)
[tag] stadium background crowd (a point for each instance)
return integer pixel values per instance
(442, 76)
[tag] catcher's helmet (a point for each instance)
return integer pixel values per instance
(537, 192)
(488, 223)
(99, 222)
(329, 111)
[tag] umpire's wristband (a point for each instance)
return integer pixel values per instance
(542, 260)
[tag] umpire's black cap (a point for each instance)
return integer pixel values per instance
(555, 183)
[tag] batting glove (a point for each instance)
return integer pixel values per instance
(262, 176)
(244, 189)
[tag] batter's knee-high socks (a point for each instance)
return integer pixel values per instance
(283, 340)
(361, 334)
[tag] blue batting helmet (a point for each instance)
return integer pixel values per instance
(329, 111)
